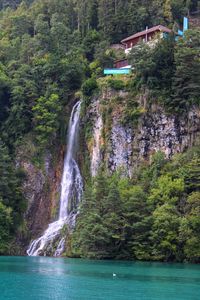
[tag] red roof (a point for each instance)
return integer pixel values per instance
(155, 28)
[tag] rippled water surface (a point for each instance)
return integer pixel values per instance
(41, 278)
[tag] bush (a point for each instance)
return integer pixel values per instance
(46, 114)
(116, 84)
(89, 86)
(5, 226)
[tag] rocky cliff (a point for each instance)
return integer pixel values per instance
(122, 145)
(41, 188)
(112, 138)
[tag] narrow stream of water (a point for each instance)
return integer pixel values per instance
(71, 190)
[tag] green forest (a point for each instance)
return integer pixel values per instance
(154, 216)
(51, 51)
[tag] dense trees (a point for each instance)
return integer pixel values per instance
(46, 112)
(186, 85)
(115, 18)
(12, 202)
(170, 70)
(124, 219)
(191, 225)
(154, 66)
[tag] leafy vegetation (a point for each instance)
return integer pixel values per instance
(186, 80)
(89, 86)
(46, 112)
(154, 216)
(170, 70)
(12, 202)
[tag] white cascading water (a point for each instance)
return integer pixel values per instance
(71, 193)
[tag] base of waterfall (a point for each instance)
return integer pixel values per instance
(53, 240)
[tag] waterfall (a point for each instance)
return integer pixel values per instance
(71, 193)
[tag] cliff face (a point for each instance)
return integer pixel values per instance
(41, 189)
(123, 145)
(120, 143)
(97, 140)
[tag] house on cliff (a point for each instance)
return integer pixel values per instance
(150, 36)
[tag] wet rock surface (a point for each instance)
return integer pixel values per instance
(96, 155)
(41, 190)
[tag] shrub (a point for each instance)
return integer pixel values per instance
(116, 84)
(89, 86)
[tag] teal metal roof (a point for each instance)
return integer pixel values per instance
(117, 71)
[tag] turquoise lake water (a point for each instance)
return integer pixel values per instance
(41, 278)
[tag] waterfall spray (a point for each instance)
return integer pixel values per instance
(71, 188)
